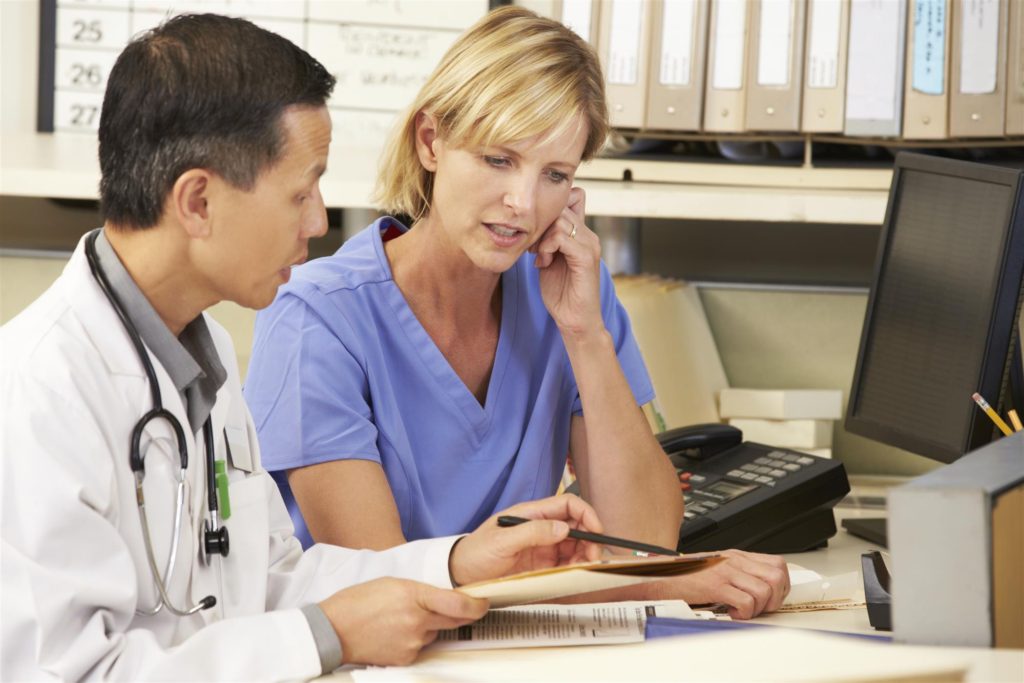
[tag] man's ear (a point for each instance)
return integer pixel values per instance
(189, 202)
(427, 140)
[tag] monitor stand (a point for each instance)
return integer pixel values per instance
(873, 529)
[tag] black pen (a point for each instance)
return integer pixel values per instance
(508, 520)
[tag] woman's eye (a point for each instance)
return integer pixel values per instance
(496, 161)
(557, 176)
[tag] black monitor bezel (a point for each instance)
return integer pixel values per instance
(993, 382)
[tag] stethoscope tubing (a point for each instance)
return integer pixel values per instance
(137, 462)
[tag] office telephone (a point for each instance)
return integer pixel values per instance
(751, 496)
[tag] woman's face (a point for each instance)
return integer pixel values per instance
(493, 203)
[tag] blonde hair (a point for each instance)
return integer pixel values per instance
(510, 77)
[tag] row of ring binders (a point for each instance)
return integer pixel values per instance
(910, 69)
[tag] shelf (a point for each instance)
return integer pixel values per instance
(65, 166)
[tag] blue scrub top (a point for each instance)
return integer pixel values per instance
(342, 369)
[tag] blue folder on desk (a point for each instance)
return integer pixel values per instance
(664, 627)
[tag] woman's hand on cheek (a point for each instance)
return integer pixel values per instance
(570, 269)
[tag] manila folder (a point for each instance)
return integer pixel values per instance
(585, 577)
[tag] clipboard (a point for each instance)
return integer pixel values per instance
(585, 577)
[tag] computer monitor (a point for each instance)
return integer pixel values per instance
(942, 319)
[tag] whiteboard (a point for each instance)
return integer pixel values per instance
(381, 51)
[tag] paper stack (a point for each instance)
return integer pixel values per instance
(678, 348)
(800, 419)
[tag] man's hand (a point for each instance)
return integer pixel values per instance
(492, 551)
(388, 621)
(749, 583)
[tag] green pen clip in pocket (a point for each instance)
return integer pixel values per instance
(223, 499)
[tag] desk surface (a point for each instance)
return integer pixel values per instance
(841, 556)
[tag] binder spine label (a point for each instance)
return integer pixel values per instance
(823, 51)
(624, 46)
(577, 15)
(930, 22)
(676, 42)
(730, 35)
(774, 43)
(979, 52)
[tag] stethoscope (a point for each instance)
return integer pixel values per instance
(215, 536)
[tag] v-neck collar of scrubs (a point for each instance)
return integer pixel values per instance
(477, 417)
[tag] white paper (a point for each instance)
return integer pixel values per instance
(92, 29)
(873, 64)
(551, 625)
(624, 45)
(76, 111)
(730, 35)
(440, 14)
(677, 42)
(377, 67)
(84, 70)
(576, 14)
(823, 50)
(774, 42)
(810, 586)
(979, 46)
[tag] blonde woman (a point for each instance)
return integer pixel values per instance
(421, 378)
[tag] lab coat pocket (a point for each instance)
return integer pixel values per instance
(244, 578)
(240, 453)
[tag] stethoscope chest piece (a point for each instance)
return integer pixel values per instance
(215, 541)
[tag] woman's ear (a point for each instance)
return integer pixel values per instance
(427, 140)
(189, 202)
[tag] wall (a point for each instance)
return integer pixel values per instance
(23, 278)
(801, 339)
(19, 64)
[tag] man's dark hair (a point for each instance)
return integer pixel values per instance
(199, 91)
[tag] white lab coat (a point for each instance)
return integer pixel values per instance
(73, 562)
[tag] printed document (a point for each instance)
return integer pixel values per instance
(548, 625)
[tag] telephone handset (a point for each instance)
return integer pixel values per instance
(751, 496)
(700, 441)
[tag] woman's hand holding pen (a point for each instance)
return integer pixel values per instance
(492, 551)
(569, 256)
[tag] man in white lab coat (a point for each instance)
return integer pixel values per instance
(117, 563)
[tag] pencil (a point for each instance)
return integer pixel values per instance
(1017, 426)
(509, 520)
(993, 415)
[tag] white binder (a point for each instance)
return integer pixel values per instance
(828, 30)
(874, 72)
(675, 96)
(625, 54)
(725, 95)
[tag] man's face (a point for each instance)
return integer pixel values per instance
(257, 236)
